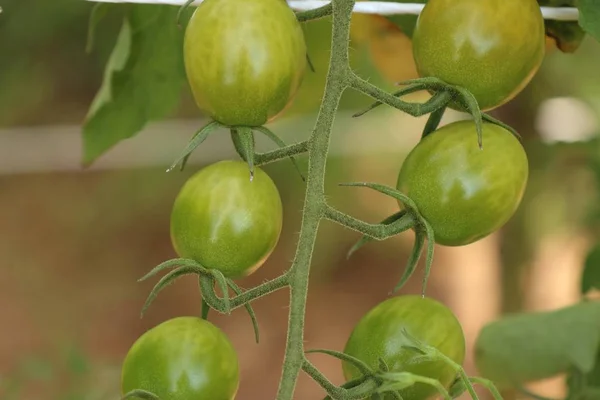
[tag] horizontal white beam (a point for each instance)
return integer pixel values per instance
(370, 7)
(44, 149)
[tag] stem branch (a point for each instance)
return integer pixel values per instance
(212, 299)
(281, 153)
(375, 231)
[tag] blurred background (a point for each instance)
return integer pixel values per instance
(74, 241)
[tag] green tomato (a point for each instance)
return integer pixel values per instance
(464, 192)
(492, 48)
(225, 221)
(182, 358)
(378, 335)
(245, 60)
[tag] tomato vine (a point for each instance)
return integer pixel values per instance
(218, 249)
(340, 77)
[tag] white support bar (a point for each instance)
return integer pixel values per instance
(370, 7)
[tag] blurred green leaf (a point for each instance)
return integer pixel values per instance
(99, 11)
(531, 346)
(584, 386)
(591, 273)
(77, 361)
(590, 17)
(142, 82)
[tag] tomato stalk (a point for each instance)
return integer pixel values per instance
(314, 206)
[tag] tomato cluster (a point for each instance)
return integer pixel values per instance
(243, 70)
(222, 219)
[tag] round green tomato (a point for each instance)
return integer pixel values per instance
(244, 59)
(378, 335)
(464, 192)
(493, 48)
(182, 358)
(224, 221)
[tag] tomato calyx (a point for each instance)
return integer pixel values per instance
(140, 394)
(243, 141)
(207, 280)
(408, 218)
(382, 381)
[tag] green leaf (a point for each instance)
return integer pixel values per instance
(142, 81)
(584, 386)
(99, 11)
(591, 273)
(589, 17)
(531, 346)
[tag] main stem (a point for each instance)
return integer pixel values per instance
(314, 203)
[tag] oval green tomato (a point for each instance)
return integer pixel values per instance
(464, 192)
(225, 221)
(493, 48)
(244, 59)
(378, 335)
(182, 358)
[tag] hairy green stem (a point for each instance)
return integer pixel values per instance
(316, 13)
(314, 205)
(337, 392)
(281, 153)
(415, 109)
(210, 296)
(375, 231)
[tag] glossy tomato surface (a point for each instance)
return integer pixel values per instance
(379, 335)
(224, 221)
(244, 59)
(465, 193)
(182, 358)
(493, 48)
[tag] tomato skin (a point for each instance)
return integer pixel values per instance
(493, 48)
(379, 335)
(465, 193)
(182, 358)
(224, 221)
(244, 60)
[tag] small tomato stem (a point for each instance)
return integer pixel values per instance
(315, 13)
(359, 391)
(415, 109)
(489, 386)
(375, 231)
(216, 302)
(281, 153)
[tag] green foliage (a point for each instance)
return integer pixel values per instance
(591, 273)
(142, 82)
(532, 346)
(590, 17)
